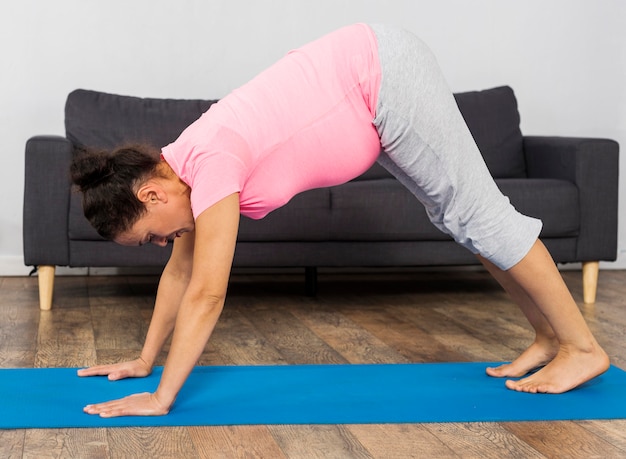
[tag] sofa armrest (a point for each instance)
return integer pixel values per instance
(593, 166)
(47, 188)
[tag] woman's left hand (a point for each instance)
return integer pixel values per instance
(145, 404)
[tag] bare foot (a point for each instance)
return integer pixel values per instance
(537, 355)
(569, 369)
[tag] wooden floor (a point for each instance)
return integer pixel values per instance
(368, 318)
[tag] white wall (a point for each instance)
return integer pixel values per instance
(565, 59)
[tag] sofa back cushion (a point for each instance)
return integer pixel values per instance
(493, 120)
(100, 120)
(104, 121)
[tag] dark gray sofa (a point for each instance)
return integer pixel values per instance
(372, 221)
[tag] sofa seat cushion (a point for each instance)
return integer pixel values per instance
(379, 210)
(555, 202)
(305, 218)
(383, 210)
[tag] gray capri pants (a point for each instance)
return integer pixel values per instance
(428, 147)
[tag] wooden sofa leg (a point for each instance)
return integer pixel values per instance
(590, 281)
(46, 286)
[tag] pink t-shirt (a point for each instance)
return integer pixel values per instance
(306, 122)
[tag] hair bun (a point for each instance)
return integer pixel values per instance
(89, 169)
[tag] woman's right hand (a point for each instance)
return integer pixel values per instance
(137, 368)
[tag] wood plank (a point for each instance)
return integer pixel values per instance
(107, 356)
(72, 443)
(406, 338)
(16, 359)
(239, 342)
(19, 290)
(66, 338)
(210, 356)
(226, 442)
(318, 441)
(20, 320)
(151, 442)
(400, 441)
(512, 336)
(296, 343)
(12, 443)
(119, 328)
(484, 440)
(355, 344)
(563, 439)
(110, 290)
(18, 328)
(613, 432)
(71, 292)
(453, 335)
(118, 310)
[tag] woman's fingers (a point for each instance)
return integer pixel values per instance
(144, 404)
(132, 369)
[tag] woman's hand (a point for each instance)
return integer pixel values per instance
(137, 368)
(145, 404)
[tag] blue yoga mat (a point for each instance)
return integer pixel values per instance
(306, 394)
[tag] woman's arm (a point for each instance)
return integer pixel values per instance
(202, 303)
(172, 286)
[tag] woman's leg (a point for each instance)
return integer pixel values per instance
(429, 148)
(545, 346)
(538, 287)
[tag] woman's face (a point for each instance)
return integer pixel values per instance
(164, 221)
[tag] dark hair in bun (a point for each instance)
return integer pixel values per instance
(108, 181)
